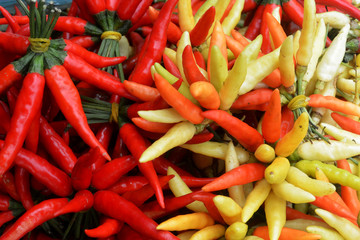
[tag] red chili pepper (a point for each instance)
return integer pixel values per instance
(91, 57)
(7, 216)
(207, 199)
(72, 12)
(136, 144)
(19, 19)
(5, 117)
(200, 31)
(55, 179)
(155, 46)
(173, 32)
(95, 6)
(254, 97)
(127, 233)
(32, 137)
(14, 43)
(349, 194)
(27, 106)
(67, 96)
(250, 5)
(126, 9)
(56, 147)
(191, 70)
(254, 27)
(34, 217)
(200, 61)
(115, 206)
(149, 126)
(83, 13)
(346, 123)
(128, 184)
(104, 135)
(140, 10)
(271, 124)
(200, 138)
(137, 41)
(80, 69)
(287, 121)
(157, 104)
(108, 227)
(184, 106)
(264, 29)
(7, 182)
(81, 174)
(241, 175)
(82, 201)
(10, 19)
(112, 171)
(293, 10)
(85, 41)
(292, 213)
(344, 6)
(76, 26)
(247, 136)
(138, 197)
(22, 184)
(154, 211)
(171, 67)
(143, 92)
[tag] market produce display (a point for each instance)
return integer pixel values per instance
(180, 119)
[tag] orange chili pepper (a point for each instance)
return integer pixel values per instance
(151, 126)
(277, 32)
(141, 91)
(271, 124)
(205, 93)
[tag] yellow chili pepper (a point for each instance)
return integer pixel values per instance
(186, 18)
(186, 235)
(220, 7)
(345, 85)
(255, 199)
(317, 50)
(171, 53)
(286, 64)
(183, 42)
(340, 134)
(228, 209)
(275, 212)
(183, 89)
(211, 232)
(287, 145)
(167, 115)
(232, 19)
(236, 231)
(335, 19)
(253, 238)
(302, 224)
(175, 136)
(231, 161)
(260, 68)
(204, 7)
(218, 68)
(291, 193)
(179, 188)
(276, 172)
(346, 228)
(217, 150)
(302, 180)
(296, 39)
(326, 233)
(265, 153)
(189, 221)
(327, 152)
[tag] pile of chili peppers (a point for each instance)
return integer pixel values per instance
(180, 119)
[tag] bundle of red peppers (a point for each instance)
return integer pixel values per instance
(180, 119)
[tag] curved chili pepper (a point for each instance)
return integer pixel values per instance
(112, 171)
(344, 6)
(80, 69)
(184, 106)
(82, 201)
(136, 144)
(346, 123)
(7, 182)
(53, 178)
(56, 147)
(22, 184)
(138, 197)
(81, 174)
(140, 10)
(254, 97)
(155, 46)
(76, 26)
(294, 10)
(10, 19)
(19, 19)
(245, 173)
(28, 104)
(104, 135)
(207, 199)
(200, 138)
(201, 29)
(34, 217)
(107, 228)
(115, 206)
(7, 216)
(171, 67)
(246, 135)
(253, 29)
(154, 211)
(67, 97)
(264, 29)
(7, 203)
(191, 69)
(271, 123)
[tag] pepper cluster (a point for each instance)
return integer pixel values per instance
(180, 119)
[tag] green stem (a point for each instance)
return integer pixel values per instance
(23, 6)
(32, 20)
(38, 22)
(53, 22)
(48, 23)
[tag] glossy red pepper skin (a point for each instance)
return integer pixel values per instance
(137, 144)
(128, 184)
(293, 10)
(264, 29)
(107, 228)
(115, 206)
(7, 183)
(207, 199)
(140, 10)
(85, 41)
(14, 43)
(155, 46)
(112, 171)
(22, 183)
(53, 178)
(68, 99)
(27, 106)
(344, 6)
(171, 67)
(11, 20)
(34, 217)
(82, 201)
(7, 216)
(76, 26)
(191, 70)
(254, 27)
(56, 147)
(126, 9)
